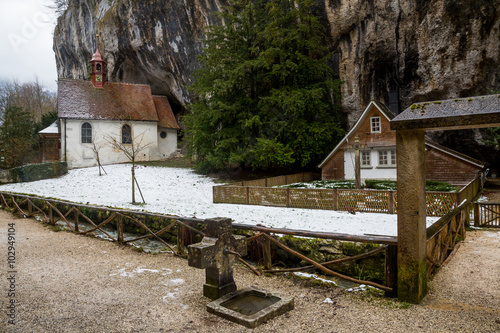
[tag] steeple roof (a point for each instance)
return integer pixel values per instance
(97, 55)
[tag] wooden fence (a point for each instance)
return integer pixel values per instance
(53, 211)
(486, 214)
(443, 235)
(260, 192)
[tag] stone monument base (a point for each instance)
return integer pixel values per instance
(250, 306)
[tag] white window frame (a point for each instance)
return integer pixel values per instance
(366, 159)
(86, 133)
(387, 158)
(375, 124)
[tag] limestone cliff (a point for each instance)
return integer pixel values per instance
(395, 51)
(150, 42)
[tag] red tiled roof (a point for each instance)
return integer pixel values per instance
(78, 99)
(164, 111)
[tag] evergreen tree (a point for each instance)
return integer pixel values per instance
(16, 137)
(266, 95)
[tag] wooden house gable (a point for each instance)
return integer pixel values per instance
(367, 131)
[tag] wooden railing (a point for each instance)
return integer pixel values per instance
(261, 193)
(487, 214)
(53, 211)
(471, 190)
(443, 235)
(369, 201)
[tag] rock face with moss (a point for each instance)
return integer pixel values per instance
(143, 42)
(425, 49)
(412, 50)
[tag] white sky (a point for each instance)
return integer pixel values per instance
(26, 29)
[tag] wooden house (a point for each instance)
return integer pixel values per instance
(378, 153)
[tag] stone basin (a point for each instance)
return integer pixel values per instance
(250, 306)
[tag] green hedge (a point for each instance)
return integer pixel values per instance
(32, 172)
(430, 185)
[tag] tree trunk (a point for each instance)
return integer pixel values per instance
(133, 183)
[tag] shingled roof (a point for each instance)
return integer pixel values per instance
(165, 114)
(78, 99)
(458, 113)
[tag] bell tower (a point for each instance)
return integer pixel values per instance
(97, 68)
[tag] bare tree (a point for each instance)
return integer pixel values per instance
(59, 6)
(131, 146)
(96, 147)
(31, 96)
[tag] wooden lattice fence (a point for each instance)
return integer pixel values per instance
(52, 211)
(487, 214)
(261, 192)
(443, 235)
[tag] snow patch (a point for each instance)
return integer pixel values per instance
(182, 192)
(139, 270)
(362, 287)
(314, 276)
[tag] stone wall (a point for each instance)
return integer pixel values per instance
(32, 172)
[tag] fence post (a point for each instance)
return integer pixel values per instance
(77, 216)
(335, 200)
(476, 214)
(180, 239)
(265, 182)
(119, 228)
(391, 202)
(266, 253)
(391, 269)
(51, 215)
(248, 195)
(30, 208)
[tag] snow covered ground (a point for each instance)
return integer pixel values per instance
(182, 192)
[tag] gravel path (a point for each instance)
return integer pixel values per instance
(71, 283)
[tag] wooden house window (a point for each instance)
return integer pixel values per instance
(366, 158)
(375, 122)
(387, 158)
(86, 133)
(126, 134)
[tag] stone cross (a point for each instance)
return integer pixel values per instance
(216, 253)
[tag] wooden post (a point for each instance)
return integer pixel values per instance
(77, 217)
(391, 202)
(288, 197)
(476, 214)
(180, 239)
(119, 228)
(30, 208)
(51, 215)
(412, 245)
(357, 162)
(266, 253)
(391, 269)
(248, 195)
(335, 200)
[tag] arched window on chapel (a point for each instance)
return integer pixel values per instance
(126, 134)
(86, 133)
